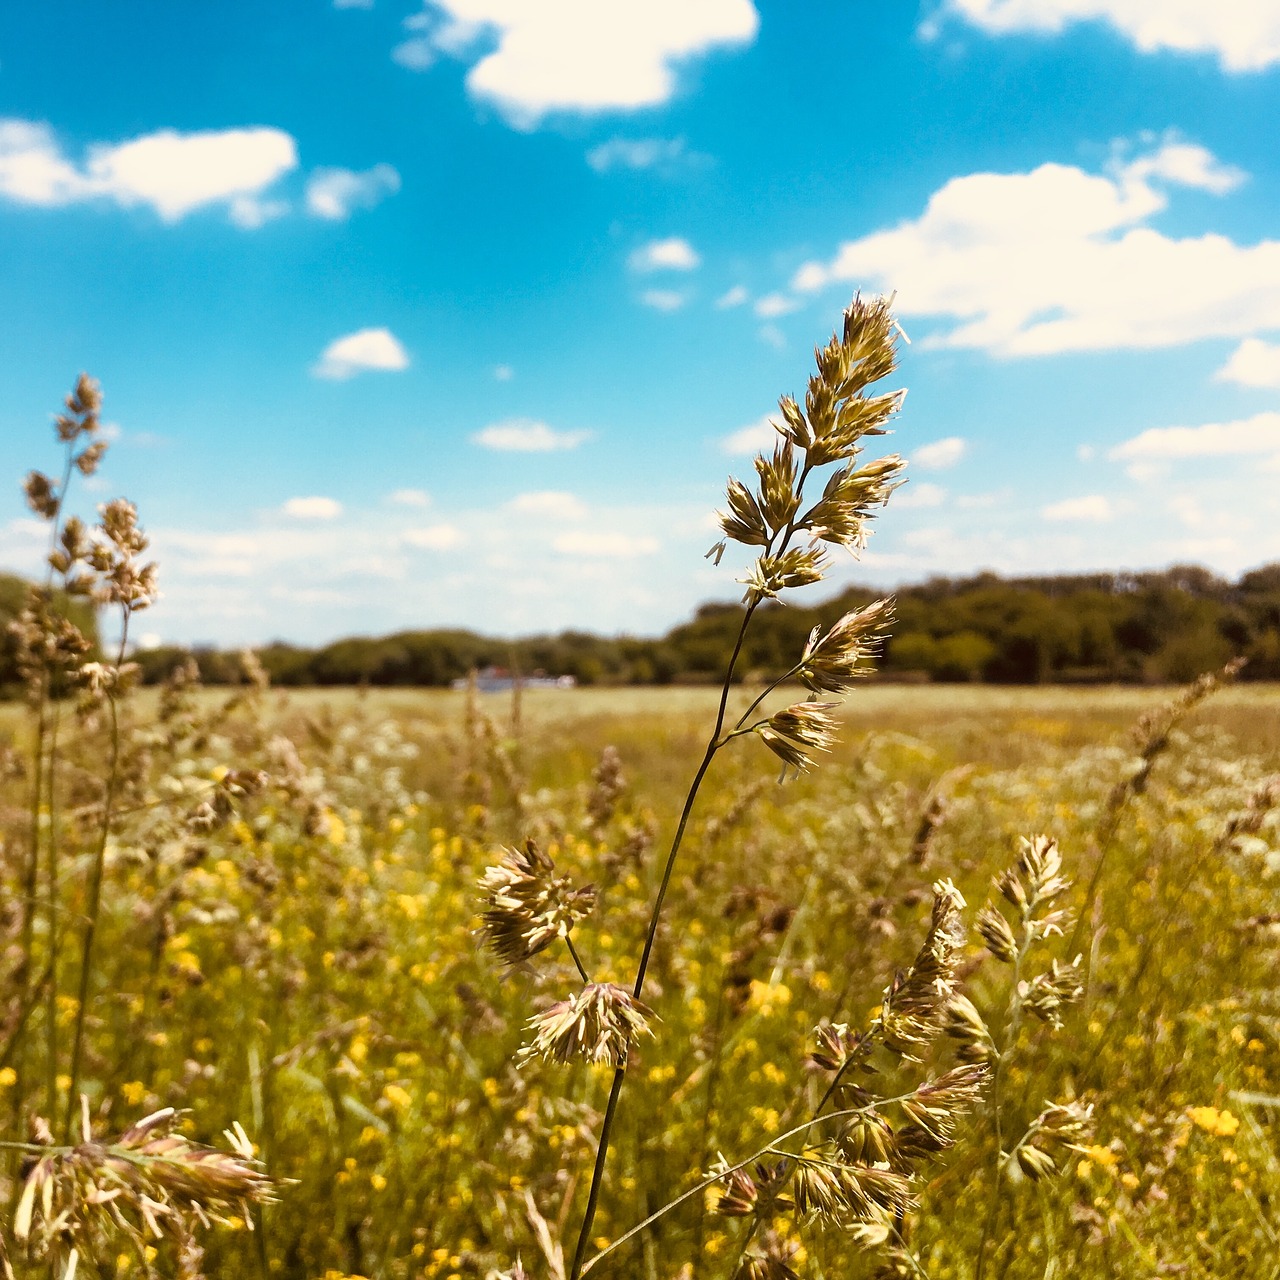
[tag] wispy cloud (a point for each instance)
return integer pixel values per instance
(605, 544)
(313, 508)
(939, 454)
(1244, 436)
(919, 493)
(410, 498)
(663, 299)
(336, 193)
(550, 504)
(378, 350)
(734, 297)
(663, 155)
(776, 304)
(435, 537)
(526, 435)
(1091, 509)
(754, 438)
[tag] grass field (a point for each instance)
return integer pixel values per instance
(307, 963)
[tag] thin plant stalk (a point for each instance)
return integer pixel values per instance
(714, 743)
(94, 903)
(1013, 1023)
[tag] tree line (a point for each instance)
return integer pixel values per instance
(1163, 626)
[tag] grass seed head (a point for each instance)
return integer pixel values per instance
(597, 1024)
(527, 907)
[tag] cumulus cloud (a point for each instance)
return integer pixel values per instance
(1059, 259)
(1243, 37)
(170, 172)
(367, 349)
(663, 299)
(548, 503)
(604, 544)
(314, 508)
(1091, 509)
(410, 498)
(435, 537)
(1244, 436)
(1253, 363)
(525, 435)
(336, 193)
(529, 60)
(940, 454)
(672, 254)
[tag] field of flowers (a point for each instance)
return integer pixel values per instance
(429, 985)
(299, 952)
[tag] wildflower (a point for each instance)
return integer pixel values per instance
(598, 1023)
(527, 907)
(1222, 1124)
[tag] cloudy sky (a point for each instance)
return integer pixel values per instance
(460, 313)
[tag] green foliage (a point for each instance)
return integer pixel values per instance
(1103, 628)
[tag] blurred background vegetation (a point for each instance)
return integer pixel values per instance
(1097, 628)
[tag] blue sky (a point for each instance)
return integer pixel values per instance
(460, 312)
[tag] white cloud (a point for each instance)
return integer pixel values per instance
(734, 297)
(773, 336)
(377, 349)
(755, 437)
(663, 299)
(503, 372)
(1253, 363)
(435, 537)
(314, 508)
(1245, 36)
(672, 254)
(172, 173)
(776, 304)
(524, 435)
(940, 454)
(1258, 434)
(605, 545)
(574, 55)
(549, 503)
(662, 154)
(919, 493)
(336, 193)
(410, 498)
(1093, 509)
(353, 4)
(1060, 260)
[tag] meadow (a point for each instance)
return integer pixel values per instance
(944, 982)
(311, 968)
